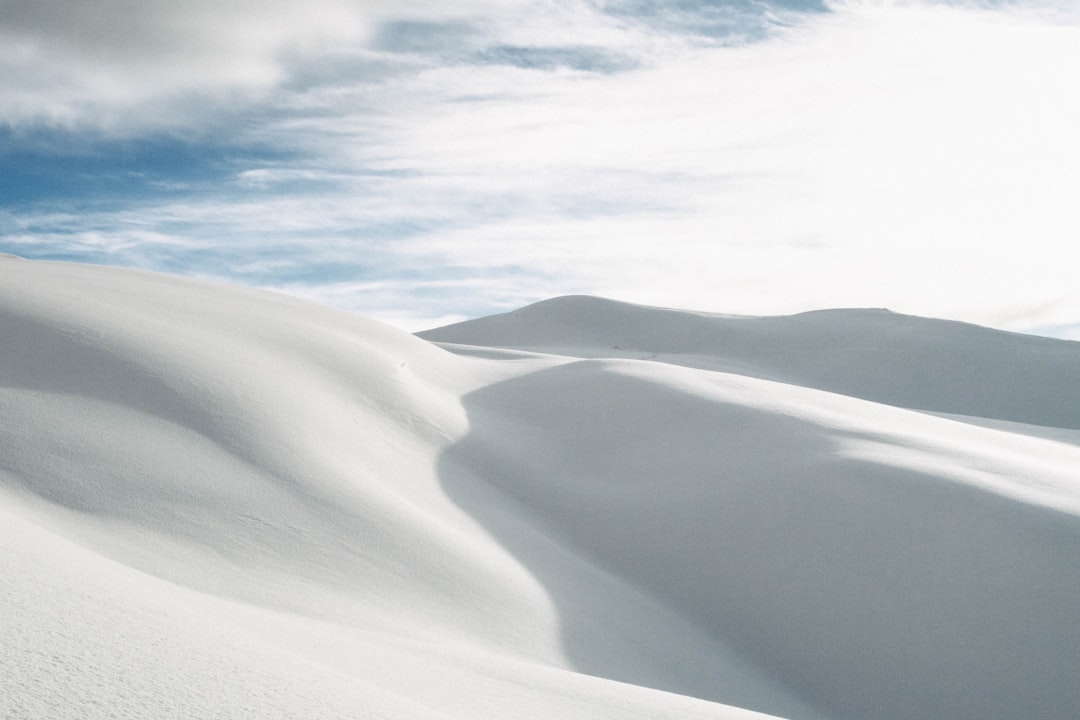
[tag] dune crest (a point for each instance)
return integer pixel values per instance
(873, 354)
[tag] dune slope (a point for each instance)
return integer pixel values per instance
(219, 502)
(877, 355)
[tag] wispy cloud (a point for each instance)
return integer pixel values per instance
(416, 163)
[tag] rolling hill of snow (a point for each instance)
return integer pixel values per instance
(225, 503)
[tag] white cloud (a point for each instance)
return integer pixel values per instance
(130, 65)
(917, 156)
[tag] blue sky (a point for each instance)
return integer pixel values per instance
(421, 164)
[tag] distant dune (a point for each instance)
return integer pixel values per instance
(225, 503)
(877, 355)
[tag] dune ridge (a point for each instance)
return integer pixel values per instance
(873, 354)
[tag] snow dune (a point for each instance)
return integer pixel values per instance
(218, 502)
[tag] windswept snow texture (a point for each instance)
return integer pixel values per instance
(224, 503)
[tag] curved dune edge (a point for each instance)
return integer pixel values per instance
(220, 502)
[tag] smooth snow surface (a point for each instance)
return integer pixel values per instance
(224, 503)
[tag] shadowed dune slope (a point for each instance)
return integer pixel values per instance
(880, 563)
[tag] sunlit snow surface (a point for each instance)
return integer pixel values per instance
(224, 503)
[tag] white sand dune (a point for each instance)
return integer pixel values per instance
(876, 355)
(224, 503)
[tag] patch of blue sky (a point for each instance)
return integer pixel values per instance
(585, 59)
(284, 181)
(71, 247)
(45, 166)
(312, 261)
(722, 20)
(427, 38)
(37, 252)
(299, 179)
(284, 266)
(277, 265)
(464, 43)
(188, 240)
